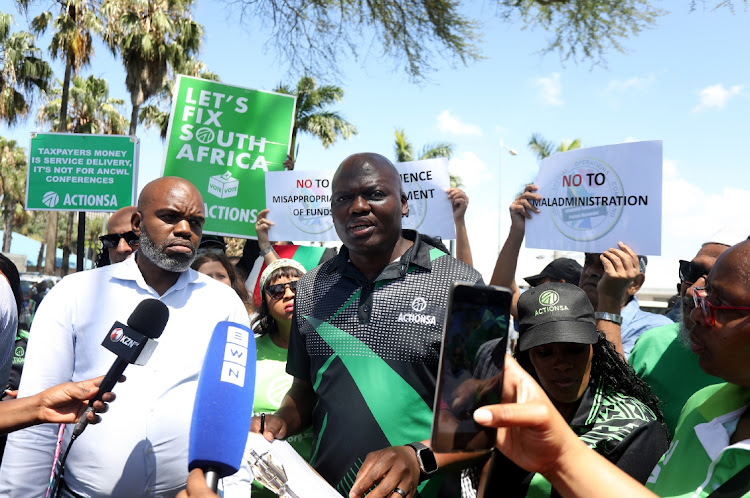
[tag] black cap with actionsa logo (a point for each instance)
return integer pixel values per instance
(555, 312)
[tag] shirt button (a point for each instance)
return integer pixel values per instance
(148, 490)
(366, 307)
(150, 451)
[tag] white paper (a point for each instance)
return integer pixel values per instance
(595, 197)
(300, 202)
(301, 479)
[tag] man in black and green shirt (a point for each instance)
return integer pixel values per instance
(365, 337)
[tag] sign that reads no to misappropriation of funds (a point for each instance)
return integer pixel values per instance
(77, 172)
(224, 139)
(300, 202)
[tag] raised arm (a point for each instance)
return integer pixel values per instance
(261, 228)
(460, 201)
(507, 261)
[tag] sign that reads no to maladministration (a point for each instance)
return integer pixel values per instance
(593, 198)
(224, 139)
(77, 172)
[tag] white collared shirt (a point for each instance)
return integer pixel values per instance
(140, 448)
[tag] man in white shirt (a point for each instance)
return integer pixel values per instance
(141, 446)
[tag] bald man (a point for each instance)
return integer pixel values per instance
(364, 359)
(141, 446)
(121, 240)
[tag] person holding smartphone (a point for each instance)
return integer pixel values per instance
(590, 384)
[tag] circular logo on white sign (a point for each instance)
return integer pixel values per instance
(587, 199)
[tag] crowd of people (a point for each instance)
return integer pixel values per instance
(600, 398)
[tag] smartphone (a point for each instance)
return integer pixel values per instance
(470, 373)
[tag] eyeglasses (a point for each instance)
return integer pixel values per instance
(277, 291)
(690, 272)
(700, 296)
(112, 240)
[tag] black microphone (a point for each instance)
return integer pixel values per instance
(132, 343)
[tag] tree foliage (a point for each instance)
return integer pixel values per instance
(91, 109)
(23, 72)
(150, 36)
(541, 147)
(312, 35)
(12, 184)
(312, 116)
(583, 29)
(404, 152)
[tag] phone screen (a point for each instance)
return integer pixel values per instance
(470, 374)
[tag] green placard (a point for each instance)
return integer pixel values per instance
(77, 172)
(223, 139)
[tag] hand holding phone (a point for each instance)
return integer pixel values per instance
(470, 374)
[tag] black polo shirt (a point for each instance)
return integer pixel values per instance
(371, 348)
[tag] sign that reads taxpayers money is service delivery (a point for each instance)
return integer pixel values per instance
(593, 198)
(300, 202)
(77, 172)
(224, 139)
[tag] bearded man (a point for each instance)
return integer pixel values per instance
(141, 446)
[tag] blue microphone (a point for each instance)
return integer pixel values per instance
(223, 403)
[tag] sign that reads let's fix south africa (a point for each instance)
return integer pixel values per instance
(224, 139)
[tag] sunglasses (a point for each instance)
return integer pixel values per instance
(690, 272)
(700, 296)
(277, 291)
(112, 240)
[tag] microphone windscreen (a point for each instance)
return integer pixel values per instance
(149, 318)
(224, 401)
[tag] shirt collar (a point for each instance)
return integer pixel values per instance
(418, 254)
(630, 309)
(128, 270)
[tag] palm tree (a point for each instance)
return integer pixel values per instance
(157, 115)
(311, 116)
(13, 179)
(404, 153)
(541, 147)
(92, 111)
(22, 71)
(150, 37)
(71, 42)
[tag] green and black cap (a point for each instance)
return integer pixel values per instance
(555, 312)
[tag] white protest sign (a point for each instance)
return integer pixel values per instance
(430, 211)
(300, 202)
(593, 198)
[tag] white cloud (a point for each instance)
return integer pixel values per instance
(716, 96)
(471, 169)
(632, 84)
(448, 123)
(550, 90)
(691, 215)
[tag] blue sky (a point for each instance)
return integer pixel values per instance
(685, 82)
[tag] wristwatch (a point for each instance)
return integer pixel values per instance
(425, 457)
(610, 317)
